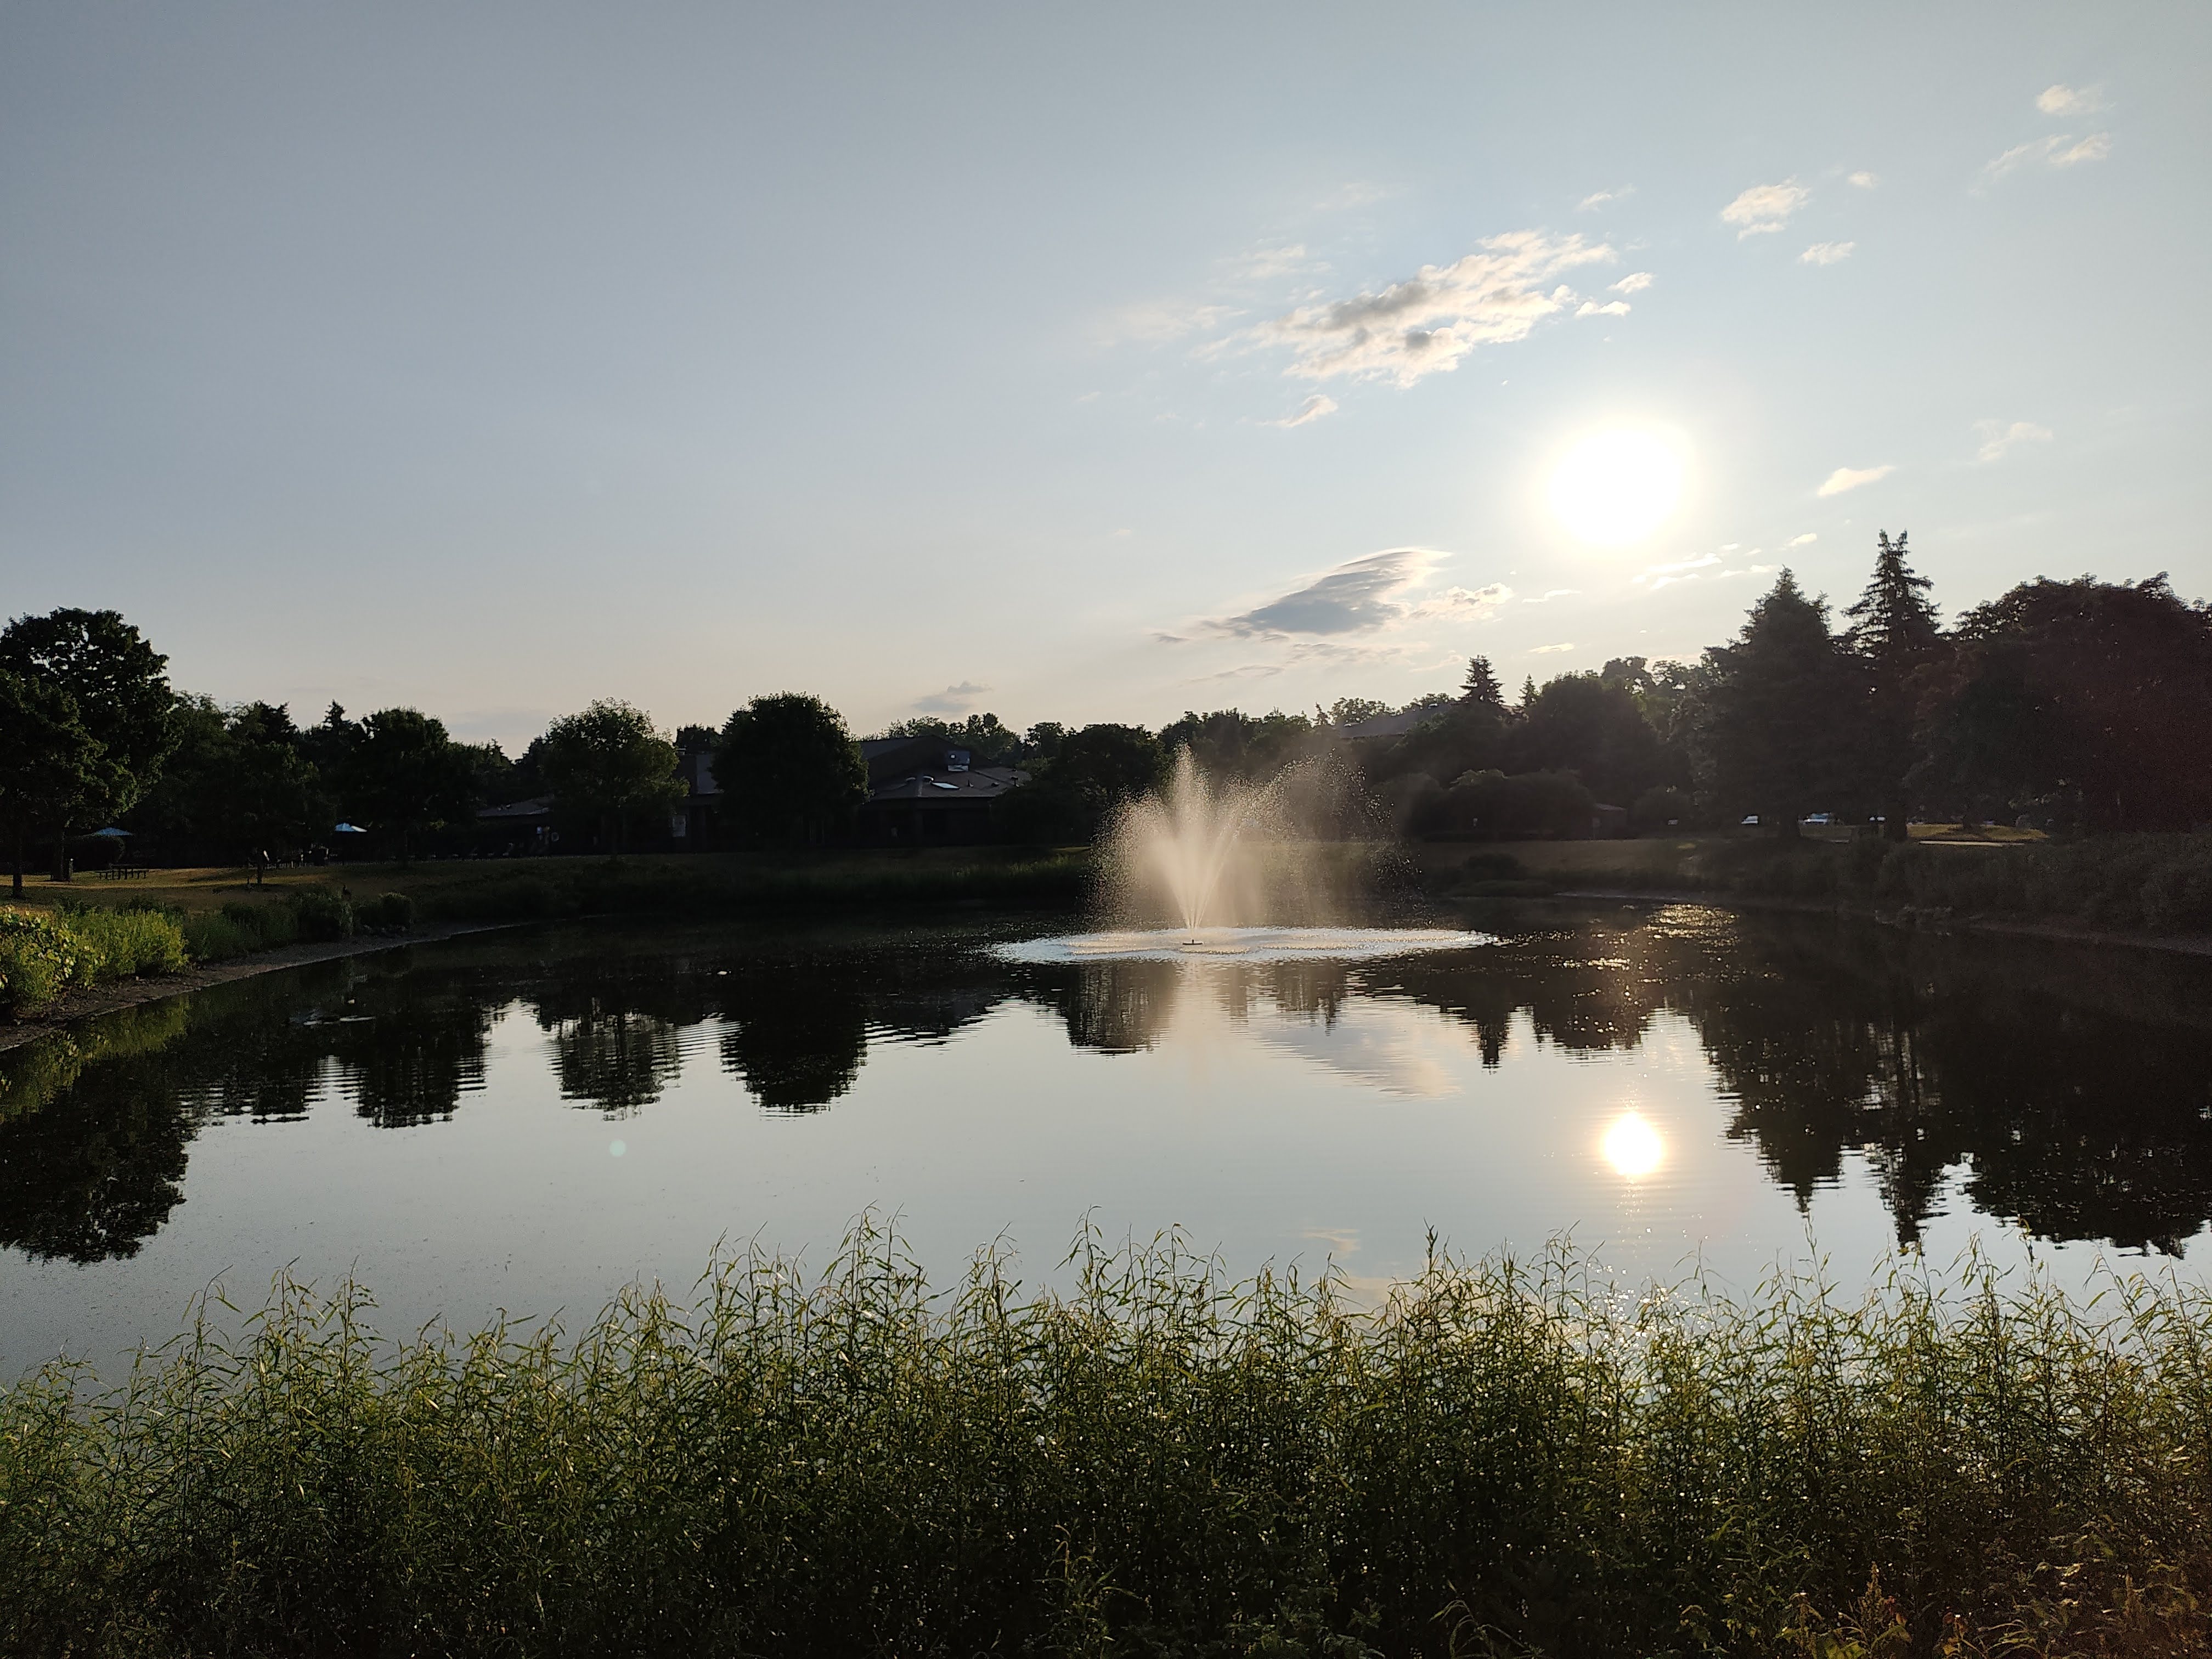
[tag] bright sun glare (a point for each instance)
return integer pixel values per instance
(1615, 488)
(1632, 1146)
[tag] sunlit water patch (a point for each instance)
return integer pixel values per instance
(1255, 944)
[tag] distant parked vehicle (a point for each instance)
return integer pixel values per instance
(1822, 818)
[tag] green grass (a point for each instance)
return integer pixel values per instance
(1505, 1459)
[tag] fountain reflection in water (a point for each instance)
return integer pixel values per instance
(1239, 872)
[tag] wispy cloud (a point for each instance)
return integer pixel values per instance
(1826, 253)
(1805, 540)
(953, 699)
(1425, 323)
(2061, 149)
(1312, 409)
(1159, 322)
(1598, 198)
(1363, 596)
(1556, 593)
(1998, 437)
(1862, 180)
(2061, 100)
(1748, 570)
(1764, 207)
(1635, 283)
(1851, 478)
(1551, 650)
(1611, 308)
(1267, 262)
(1360, 193)
(1673, 572)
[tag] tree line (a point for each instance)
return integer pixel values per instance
(2083, 704)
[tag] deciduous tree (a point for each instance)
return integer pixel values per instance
(788, 767)
(608, 763)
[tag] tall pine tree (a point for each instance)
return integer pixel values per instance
(1780, 724)
(1895, 635)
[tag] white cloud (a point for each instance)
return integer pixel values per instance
(1851, 478)
(1805, 540)
(1748, 570)
(1463, 603)
(1425, 323)
(1552, 650)
(1263, 263)
(1997, 437)
(1862, 180)
(1673, 572)
(1611, 308)
(1766, 207)
(1635, 283)
(1599, 198)
(2061, 149)
(1556, 593)
(1359, 597)
(1159, 321)
(1826, 253)
(2058, 100)
(1312, 409)
(953, 699)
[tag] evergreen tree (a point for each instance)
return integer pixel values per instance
(1780, 721)
(1481, 684)
(1895, 634)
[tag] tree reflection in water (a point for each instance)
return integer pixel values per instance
(2067, 1091)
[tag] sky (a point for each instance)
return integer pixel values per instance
(1074, 363)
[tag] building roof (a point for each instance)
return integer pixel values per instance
(1386, 725)
(539, 806)
(972, 787)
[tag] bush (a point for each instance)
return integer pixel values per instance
(39, 959)
(322, 914)
(127, 943)
(388, 912)
(239, 929)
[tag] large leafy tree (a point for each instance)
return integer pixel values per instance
(404, 775)
(48, 763)
(122, 698)
(1592, 726)
(788, 767)
(607, 764)
(1229, 743)
(2099, 693)
(1780, 713)
(1895, 632)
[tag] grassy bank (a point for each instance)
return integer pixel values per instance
(1503, 1460)
(2145, 884)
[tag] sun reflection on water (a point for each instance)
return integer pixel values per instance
(1632, 1146)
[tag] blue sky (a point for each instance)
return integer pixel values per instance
(1076, 363)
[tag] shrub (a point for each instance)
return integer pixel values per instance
(322, 914)
(388, 912)
(129, 943)
(39, 959)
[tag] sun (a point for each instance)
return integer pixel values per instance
(1614, 488)
(1632, 1146)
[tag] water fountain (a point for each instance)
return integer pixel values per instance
(1224, 864)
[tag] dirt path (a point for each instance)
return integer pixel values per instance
(130, 992)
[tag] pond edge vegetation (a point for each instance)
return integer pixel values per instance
(1504, 1458)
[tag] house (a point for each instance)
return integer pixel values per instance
(922, 792)
(523, 826)
(690, 822)
(1384, 727)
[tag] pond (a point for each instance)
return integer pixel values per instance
(529, 1121)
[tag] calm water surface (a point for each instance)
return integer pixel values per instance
(528, 1122)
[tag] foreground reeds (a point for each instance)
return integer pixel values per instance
(1502, 1459)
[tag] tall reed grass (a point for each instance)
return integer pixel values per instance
(42, 955)
(1504, 1459)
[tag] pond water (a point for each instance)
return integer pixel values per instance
(531, 1121)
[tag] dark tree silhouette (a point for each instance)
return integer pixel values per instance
(1782, 713)
(124, 701)
(406, 775)
(2095, 695)
(1481, 684)
(789, 768)
(48, 763)
(1894, 631)
(608, 763)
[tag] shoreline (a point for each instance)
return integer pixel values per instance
(135, 993)
(2189, 944)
